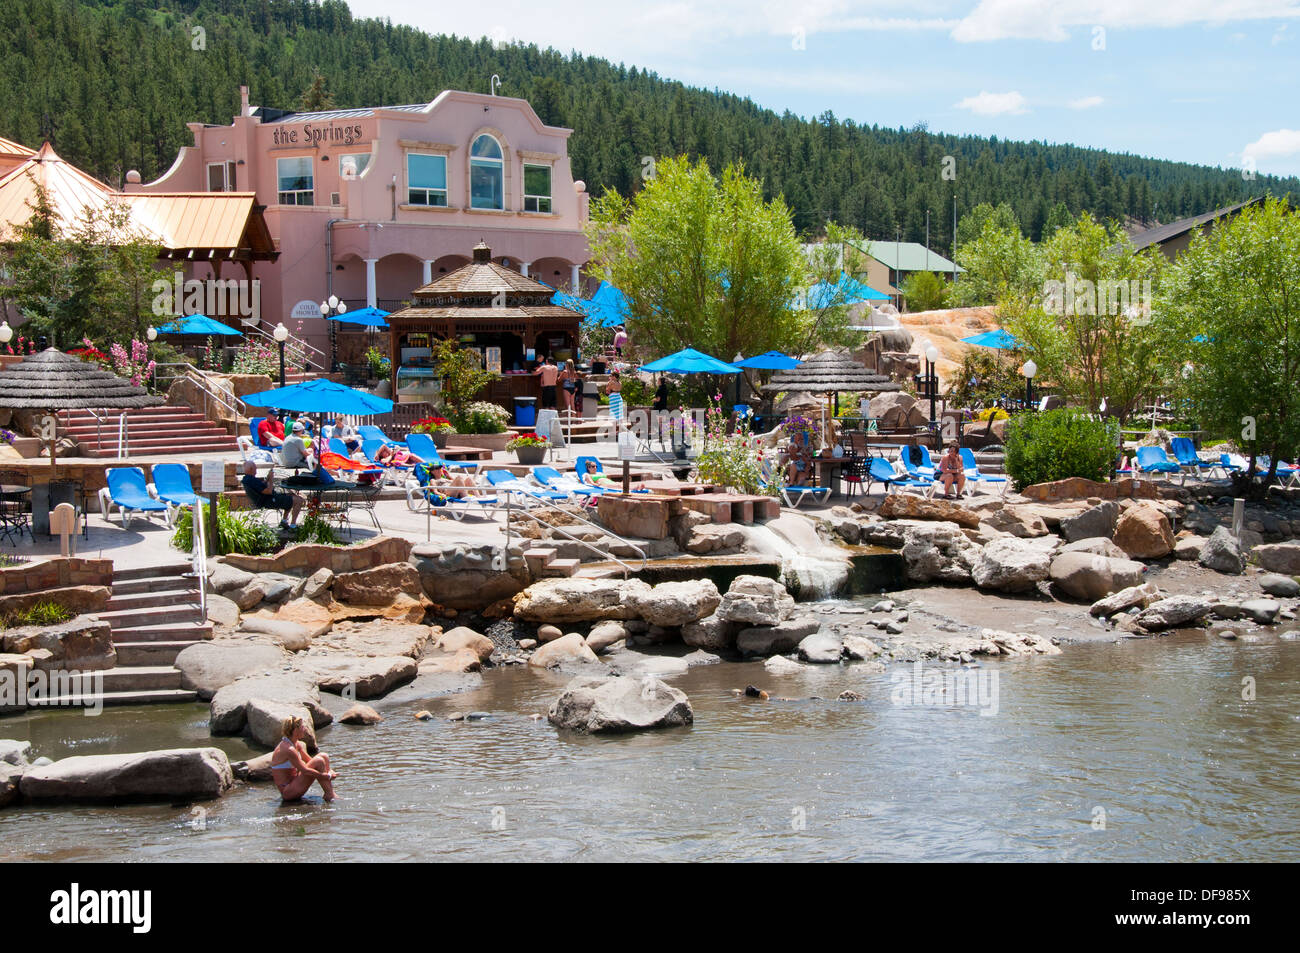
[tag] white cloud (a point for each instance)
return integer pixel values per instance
(1035, 20)
(1087, 102)
(1279, 36)
(1273, 145)
(995, 104)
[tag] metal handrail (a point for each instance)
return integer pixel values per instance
(199, 556)
(123, 432)
(210, 389)
(295, 347)
(525, 510)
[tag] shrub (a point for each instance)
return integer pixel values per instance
(433, 425)
(527, 440)
(996, 413)
(238, 531)
(42, 613)
(480, 417)
(1056, 444)
(316, 529)
(734, 459)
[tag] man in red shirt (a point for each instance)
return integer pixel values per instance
(270, 432)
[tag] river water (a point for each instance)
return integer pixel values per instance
(1143, 750)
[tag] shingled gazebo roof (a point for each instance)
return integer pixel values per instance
(52, 380)
(830, 372)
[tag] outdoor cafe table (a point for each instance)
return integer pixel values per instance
(12, 492)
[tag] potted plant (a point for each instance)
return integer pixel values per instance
(529, 448)
(807, 429)
(439, 428)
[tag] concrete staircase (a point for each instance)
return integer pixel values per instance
(543, 561)
(150, 430)
(154, 614)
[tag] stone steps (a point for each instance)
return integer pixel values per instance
(148, 654)
(152, 615)
(154, 430)
(562, 567)
(150, 697)
(151, 599)
(138, 678)
(144, 584)
(170, 632)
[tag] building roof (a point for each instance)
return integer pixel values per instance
(483, 276)
(209, 222)
(331, 115)
(52, 380)
(906, 256)
(514, 312)
(830, 372)
(1163, 233)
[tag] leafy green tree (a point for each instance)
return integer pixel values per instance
(999, 263)
(924, 291)
(705, 262)
(1229, 312)
(462, 374)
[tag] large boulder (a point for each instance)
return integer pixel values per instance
(605, 635)
(614, 705)
(1019, 521)
(579, 599)
(564, 650)
(1099, 520)
(675, 603)
(897, 410)
(378, 637)
(13, 751)
(1009, 565)
(712, 633)
(1088, 577)
(222, 611)
(1278, 557)
(311, 615)
(83, 643)
(378, 586)
(938, 552)
(358, 676)
(289, 635)
(911, 506)
(1134, 597)
(1096, 545)
(463, 638)
(1222, 553)
(227, 712)
(11, 776)
(821, 648)
(171, 775)
(1263, 611)
(1283, 587)
(1143, 532)
(223, 578)
(206, 667)
(775, 639)
(468, 576)
(1173, 612)
(756, 600)
(265, 722)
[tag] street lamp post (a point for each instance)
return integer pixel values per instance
(931, 378)
(6, 332)
(152, 334)
(281, 334)
(332, 305)
(1029, 370)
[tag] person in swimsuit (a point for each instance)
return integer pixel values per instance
(292, 771)
(392, 456)
(593, 477)
(449, 485)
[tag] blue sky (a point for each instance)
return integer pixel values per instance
(1208, 82)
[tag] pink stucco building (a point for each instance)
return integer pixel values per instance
(369, 204)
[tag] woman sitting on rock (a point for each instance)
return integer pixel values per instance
(291, 769)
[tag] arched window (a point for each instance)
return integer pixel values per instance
(487, 174)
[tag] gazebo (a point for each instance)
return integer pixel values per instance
(54, 381)
(830, 372)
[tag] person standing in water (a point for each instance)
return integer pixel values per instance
(293, 771)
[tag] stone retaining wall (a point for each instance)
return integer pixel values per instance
(1077, 488)
(308, 557)
(56, 573)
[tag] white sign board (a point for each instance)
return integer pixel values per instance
(214, 476)
(305, 309)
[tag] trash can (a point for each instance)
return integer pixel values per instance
(590, 398)
(525, 411)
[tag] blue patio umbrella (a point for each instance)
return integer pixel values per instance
(771, 361)
(608, 306)
(1000, 339)
(689, 361)
(844, 291)
(320, 396)
(197, 324)
(370, 317)
(574, 303)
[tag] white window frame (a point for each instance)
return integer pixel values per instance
(227, 167)
(428, 192)
(537, 200)
(309, 193)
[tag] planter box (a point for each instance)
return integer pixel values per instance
(486, 441)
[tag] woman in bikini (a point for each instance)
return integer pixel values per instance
(394, 456)
(293, 771)
(593, 477)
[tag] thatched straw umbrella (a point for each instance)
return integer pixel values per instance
(52, 381)
(830, 372)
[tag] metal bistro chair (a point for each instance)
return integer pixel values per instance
(363, 497)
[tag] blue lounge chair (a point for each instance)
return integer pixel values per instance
(1187, 457)
(508, 482)
(882, 471)
(1286, 475)
(792, 495)
(923, 469)
(422, 445)
(338, 446)
(129, 493)
(369, 432)
(423, 496)
(1155, 460)
(972, 469)
(580, 469)
(553, 479)
(253, 424)
(172, 483)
